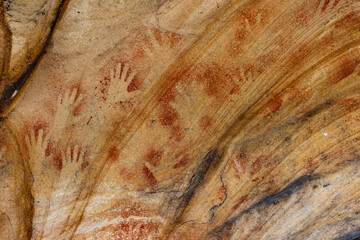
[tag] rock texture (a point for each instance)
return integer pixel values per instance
(181, 119)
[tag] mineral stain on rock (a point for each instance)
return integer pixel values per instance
(179, 119)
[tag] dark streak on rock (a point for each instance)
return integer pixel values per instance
(317, 109)
(6, 97)
(195, 182)
(273, 199)
(350, 236)
(219, 205)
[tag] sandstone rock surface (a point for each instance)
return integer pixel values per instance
(180, 119)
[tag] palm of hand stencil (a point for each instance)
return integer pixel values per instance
(158, 50)
(189, 102)
(41, 175)
(71, 169)
(65, 192)
(37, 151)
(66, 104)
(119, 84)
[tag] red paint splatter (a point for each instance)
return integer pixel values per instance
(336, 3)
(157, 35)
(350, 20)
(168, 116)
(325, 5)
(58, 164)
(293, 93)
(266, 60)
(135, 84)
(51, 149)
(154, 157)
(347, 68)
(216, 80)
(125, 230)
(3, 143)
(40, 125)
(310, 130)
(126, 173)
(113, 153)
(310, 164)
(240, 35)
(133, 210)
(77, 87)
(275, 105)
(213, 80)
(259, 163)
(234, 90)
(205, 122)
(303, 16)
(240, 201)
(257, 179)
(177, 133)
(138, 52)
(348, 103)
(182, 163)
(150, 178)
(221, 193)
(175, 39)
(84, 165)
(239, 160)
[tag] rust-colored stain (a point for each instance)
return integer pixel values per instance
(275, 104)
(149, 176)
(114, 153)
(260, 162)
(168, 115)
(154, 157)
(347, 67)
(58, 164)
(182, 119)
(239, 164)
(206, 122)
(310, 164)
(184, 161)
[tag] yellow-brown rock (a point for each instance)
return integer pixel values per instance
(180, 119)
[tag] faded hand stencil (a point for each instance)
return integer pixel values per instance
(192, 136)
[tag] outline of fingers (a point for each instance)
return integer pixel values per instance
(156, 47)
(326, 7)
(69, 99)
(119, 83)
(37, 146)
(248, 26)
(65, 106)
(72, 159)
(246, 76)
(154, 43)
